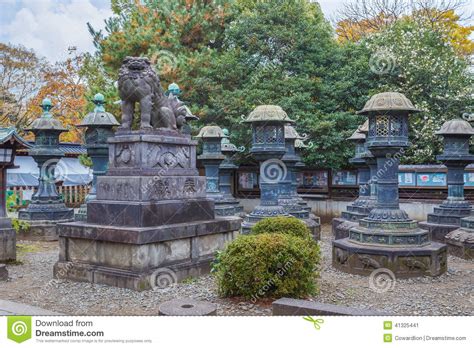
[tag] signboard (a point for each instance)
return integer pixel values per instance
(314, 179)
(344, 177)
(469, 179)
(431, 179)
(406, 179)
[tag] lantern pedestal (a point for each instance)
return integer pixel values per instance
(7, 241)
(460, 242)
(151, 218)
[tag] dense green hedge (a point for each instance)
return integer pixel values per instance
(268, 265)
(281, 224)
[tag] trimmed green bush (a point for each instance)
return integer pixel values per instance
(268, 265)
(285, 225)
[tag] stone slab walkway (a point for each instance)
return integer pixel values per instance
(16, 308)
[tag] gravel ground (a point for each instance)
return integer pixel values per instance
(31, 283)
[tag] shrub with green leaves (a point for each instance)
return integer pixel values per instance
(268, 265)
(285, 225)
(20, 225)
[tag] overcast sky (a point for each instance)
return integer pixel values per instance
(51, 26)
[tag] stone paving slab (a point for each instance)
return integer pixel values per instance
(16, 308)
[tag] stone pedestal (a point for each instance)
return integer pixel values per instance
(151, 216)
(460, 242)
(3, 272)
(440, 223)
(7, 241)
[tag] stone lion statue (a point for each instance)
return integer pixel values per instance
(139, 83)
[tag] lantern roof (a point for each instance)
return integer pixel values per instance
(388, 101)
(268, 113)
(211, 132)
(291, 133)
(99, 117)
(10, 135)
(456, 127)
(364, 128)
(357, 135)
(46, 121)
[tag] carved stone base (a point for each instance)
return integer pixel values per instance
(438, 231)
(147, 214)
(341, 227)
(42, 230)
(7, 244)
(406, 262)
(229, 208)
(46, 212)
(460, 243)
(140, 258)
(448, 216)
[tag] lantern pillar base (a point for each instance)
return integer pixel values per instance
(404, 262)
(7, 241)
(460, 242)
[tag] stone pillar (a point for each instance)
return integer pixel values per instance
(46, 208)
(447, 216)
(387, 238)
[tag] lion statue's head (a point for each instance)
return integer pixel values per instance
(136, 64)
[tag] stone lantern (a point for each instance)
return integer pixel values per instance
(231, 206)
(268, 147)
(46, 208)
(387, 238)
(349, 218)
(288, 197)
(211, 158)
(447, 217)
(10, 141)
(99, 125)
